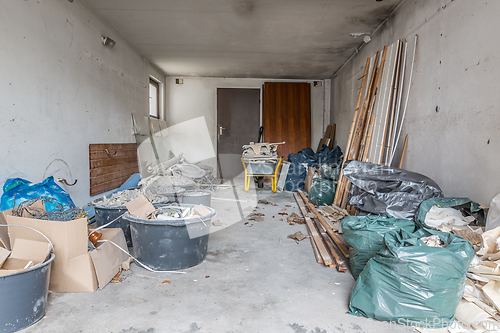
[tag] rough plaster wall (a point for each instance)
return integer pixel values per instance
(198, 97)
(456, 70)
(62, 90)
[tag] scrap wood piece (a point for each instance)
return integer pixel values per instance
(325, 224)
(295, 218)
(315, 238)
(298, 236)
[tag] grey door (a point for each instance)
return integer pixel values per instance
(238, 123)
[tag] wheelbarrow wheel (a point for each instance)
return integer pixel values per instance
(260, 182)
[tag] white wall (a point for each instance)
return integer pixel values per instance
(456, 70)
(62, 90)
(198, 97)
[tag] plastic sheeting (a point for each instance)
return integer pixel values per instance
(409, 282)
(365, 237)
(20, 190)
(389, 191)
(300, 162)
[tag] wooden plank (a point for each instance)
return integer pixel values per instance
(354, 151)
(103, 187)
(324, 238)
(107, 170)
(111, 147)
(112, 162)
(314, 233)
(369, 139)
(403, 153)
(325, 224)
(339, 262)
(110, 165)
(112, 176)
(332, 135)
(102, 155)
(342, 179)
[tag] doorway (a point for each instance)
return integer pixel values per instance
(238, 123)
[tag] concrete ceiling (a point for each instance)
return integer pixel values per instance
(288, 39)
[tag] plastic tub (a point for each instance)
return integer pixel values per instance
(261, 168)
(24, 296)
(170, 244)
(199, 197)
(106, 214)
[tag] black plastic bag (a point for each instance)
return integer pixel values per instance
(388, 191)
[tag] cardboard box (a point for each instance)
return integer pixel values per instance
(74, 269)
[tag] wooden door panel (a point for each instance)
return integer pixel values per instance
(287, 115)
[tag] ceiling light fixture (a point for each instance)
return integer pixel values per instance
(106, 41)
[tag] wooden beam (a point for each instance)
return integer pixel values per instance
(327, 260)
(342, 179)
(403, 153)
(325, 224)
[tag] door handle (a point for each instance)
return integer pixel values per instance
(220, 129)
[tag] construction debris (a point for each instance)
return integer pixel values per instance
(322, 245)
(298, 236)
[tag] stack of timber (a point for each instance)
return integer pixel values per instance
(322, 235)
(380, 111)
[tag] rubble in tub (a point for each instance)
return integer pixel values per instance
(122, 197)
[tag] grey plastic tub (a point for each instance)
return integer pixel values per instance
(24, 297)
(106, 214)
(174, 194)
(170, 244)
(199, 197)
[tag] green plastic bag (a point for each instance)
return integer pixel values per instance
(323, 191)
(411, 283)
(365, 237)
(426, 205)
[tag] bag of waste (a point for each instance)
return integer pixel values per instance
(439, 212)
(388, 191)
(323, 191)
(365, 237)
(300, 162)
(20, 190)
(412, 283)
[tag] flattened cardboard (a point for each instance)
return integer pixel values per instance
(140, 207)
(108, 258)
(73, 269)
(4, 254)
(30, 250)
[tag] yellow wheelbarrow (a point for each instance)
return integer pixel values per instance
(260, 169)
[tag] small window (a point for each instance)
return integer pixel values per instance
(154, 98)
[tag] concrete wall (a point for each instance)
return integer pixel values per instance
(456, 72)
(62, 90)
(198, 97)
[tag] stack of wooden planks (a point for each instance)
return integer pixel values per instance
(322, 235)
(379, 113)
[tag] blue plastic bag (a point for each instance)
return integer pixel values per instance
(21, 190)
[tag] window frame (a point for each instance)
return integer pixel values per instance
(157, 85)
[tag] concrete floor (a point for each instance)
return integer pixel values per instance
(254, 279)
